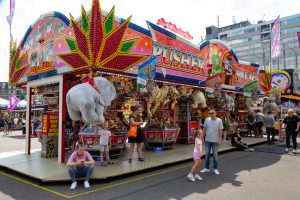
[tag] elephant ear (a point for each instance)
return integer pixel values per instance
(107, 91)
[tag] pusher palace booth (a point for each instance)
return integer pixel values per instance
(58, 53)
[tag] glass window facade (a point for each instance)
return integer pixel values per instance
(256, 47)
(293, 30)
(290, 21)
(235, 33)
(249, 30)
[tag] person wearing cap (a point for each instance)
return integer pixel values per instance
(270, 122)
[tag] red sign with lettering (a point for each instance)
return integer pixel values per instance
(172, 27)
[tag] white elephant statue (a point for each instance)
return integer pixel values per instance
(198, 98)
(87, 101)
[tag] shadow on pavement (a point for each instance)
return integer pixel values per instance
(178, 187)
(171, 185)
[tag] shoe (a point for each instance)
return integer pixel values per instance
(197, 177)
(294, 151)
(286, 150)
(191, 177)
(73, 186)
(205, 170)
(216, 172)
(250, 149)
(86, 184)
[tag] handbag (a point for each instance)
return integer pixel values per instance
(132, 131)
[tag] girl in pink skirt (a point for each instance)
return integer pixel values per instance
(194, 174)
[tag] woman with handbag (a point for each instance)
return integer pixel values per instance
(135, 133)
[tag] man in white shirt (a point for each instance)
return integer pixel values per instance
(212, 131)
(16, 120)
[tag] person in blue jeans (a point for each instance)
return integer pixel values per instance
(80, 164)
(212, 131)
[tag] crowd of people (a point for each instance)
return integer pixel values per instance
(81, 163)
(212, 135)
(11, 122)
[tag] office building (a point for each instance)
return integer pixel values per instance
(6, 90)
(251, 42)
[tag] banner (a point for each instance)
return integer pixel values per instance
(298, 33)
(11, 12)
(275, 39)
(13, 102)
(12, 7)
(9, 19)
(213, 81)
(145, 71)
(250, 88)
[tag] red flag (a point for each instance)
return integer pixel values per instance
(298, 33)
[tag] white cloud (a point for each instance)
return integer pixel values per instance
(190, 15)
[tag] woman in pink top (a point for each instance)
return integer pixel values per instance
(194, 174)
(80, 164)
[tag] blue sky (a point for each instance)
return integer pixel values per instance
(190, 15)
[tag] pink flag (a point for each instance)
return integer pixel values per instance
(13, 102)
(298, 33)
(11, 12)
(275, 39)
(12, 7)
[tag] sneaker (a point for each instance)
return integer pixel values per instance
(205, 170)
(73, 186)
(250, 149)
(197, 177)
(191, 177)
(216, 172)
(294, 151)
(86, 184)
(286, 150)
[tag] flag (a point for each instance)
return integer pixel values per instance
(11, 12)
(298, 33)
(12, 7)
(275, 39)
(250, 88)
(9, 19)
(13, 102)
